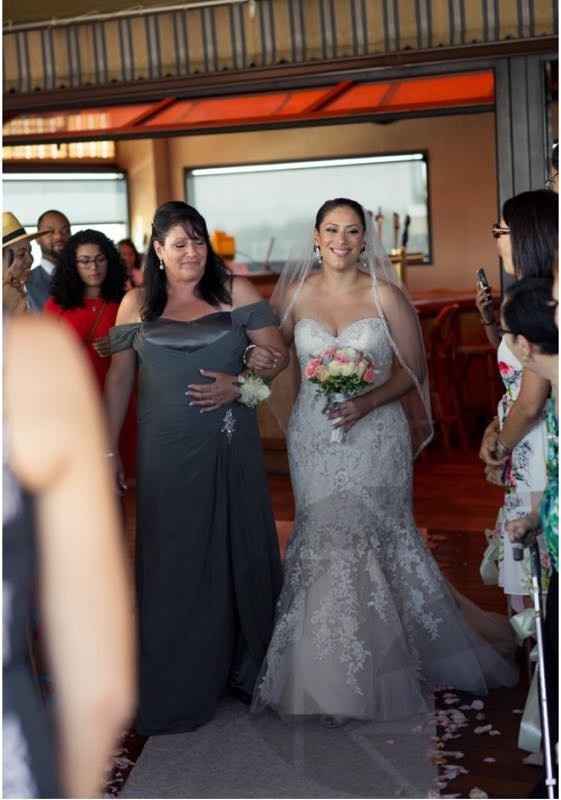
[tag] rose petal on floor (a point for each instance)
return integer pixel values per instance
(482, 729)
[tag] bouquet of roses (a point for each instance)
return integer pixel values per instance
(340, 373)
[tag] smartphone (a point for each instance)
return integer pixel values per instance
(482, 279)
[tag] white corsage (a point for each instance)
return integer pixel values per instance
(253, 390)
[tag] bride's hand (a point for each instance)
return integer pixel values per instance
(261, 358)
(344, 415)
(210, 396)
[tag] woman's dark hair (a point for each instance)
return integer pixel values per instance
(529, 310)
(330, 205)
(213, 286)
(67, 287)
(534, 228)
(131, 244)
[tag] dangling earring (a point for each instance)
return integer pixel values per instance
(363, 257)
(161, 264)
(317, 254)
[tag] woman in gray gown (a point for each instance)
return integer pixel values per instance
(207, 560)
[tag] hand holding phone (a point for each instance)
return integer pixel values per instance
(483, 299)
(482, 279)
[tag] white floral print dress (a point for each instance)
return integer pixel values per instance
(526, 477)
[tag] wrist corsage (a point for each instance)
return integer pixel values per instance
(253, 390)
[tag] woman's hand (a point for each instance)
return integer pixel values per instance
(484, 303)
(494, 475)
(261, 358)
(489, 445)
(210, 396)
(345, 415)
(518, 529)
(102, 346)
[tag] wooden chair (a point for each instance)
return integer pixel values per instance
(485, 356)
(444, 341)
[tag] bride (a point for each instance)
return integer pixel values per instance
(366, 625)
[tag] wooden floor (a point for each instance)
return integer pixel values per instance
(453, 505)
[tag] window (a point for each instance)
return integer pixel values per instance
(270, 208)
(96, 199)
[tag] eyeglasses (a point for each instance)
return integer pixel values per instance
(98, 261)
(550, 182)
(498, 230)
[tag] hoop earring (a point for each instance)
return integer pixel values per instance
(161, 265)
(317, 254)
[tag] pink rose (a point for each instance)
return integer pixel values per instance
(311, 368)
(369, 375)
(504, 368)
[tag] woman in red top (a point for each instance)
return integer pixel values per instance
(86, 289)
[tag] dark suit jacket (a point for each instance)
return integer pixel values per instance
(38, 287)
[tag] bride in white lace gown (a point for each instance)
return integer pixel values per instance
(366, 625)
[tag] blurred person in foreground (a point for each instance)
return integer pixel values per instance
(132, 261)
(86, 290)
(530, 329)
(60, 525)
(55, 227)
(514, 443)
(16, 263)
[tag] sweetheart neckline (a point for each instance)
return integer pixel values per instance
(341, 332)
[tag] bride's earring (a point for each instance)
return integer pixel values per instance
(363, 257)
(317, 254)
(161, 265)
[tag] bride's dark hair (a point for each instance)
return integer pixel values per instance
(213, 286)
(337, 202)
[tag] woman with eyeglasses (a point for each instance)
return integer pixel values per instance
(86, 290)
(514, 444)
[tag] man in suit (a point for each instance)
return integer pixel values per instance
(56, 229)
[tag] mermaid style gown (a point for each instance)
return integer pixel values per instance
(366, 625)
(207, 561)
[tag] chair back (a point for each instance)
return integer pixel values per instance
(445, 334)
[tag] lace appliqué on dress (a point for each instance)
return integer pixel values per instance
(365, 623)
(228, 425)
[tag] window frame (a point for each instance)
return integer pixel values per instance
(372, 154)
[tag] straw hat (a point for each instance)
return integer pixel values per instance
(13, 231)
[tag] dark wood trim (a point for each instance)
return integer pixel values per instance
(279, 76)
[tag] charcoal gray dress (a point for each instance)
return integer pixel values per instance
(207, 566)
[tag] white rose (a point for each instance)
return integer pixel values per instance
(347, 370)
(334, 369)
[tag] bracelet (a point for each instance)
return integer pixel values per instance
(246, 353)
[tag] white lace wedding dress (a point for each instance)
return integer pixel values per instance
(366, 625)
